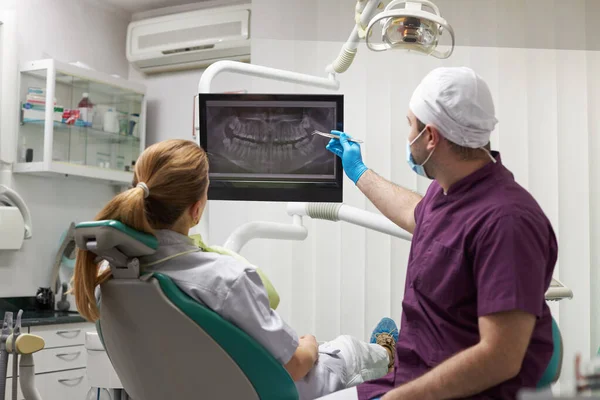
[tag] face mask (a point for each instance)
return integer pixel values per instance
(418, 168)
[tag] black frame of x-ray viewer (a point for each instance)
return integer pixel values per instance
(327, 192)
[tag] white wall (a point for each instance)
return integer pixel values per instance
(67, 30)
(170, 102)
(342, 279)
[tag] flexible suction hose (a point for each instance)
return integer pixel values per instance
(326, 211)
(344, 60)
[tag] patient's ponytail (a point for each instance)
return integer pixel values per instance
(169, 178)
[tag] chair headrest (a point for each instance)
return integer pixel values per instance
(114, 241)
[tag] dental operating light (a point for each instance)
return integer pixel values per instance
(409, 26)
(413, 25)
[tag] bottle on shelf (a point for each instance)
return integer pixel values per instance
(111, 121)
(86, 110)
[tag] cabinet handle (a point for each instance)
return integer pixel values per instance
(75, 354)
(67, 381)
(74, 332)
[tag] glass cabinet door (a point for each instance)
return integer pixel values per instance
(94, 124)
(113, 136)
(32, 117)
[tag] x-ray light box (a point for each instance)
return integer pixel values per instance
(261, 147)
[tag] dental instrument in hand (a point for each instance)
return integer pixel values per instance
(332, 136)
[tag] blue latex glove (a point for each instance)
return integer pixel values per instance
(350, 154)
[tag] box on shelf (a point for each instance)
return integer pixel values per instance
(37, 113)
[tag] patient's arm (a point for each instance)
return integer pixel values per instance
(304, 358)
(395, 202)
(496, 358)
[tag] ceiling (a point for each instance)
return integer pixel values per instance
(134, 6)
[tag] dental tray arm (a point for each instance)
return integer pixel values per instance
(558, 291)
(265, 230)
(296, 231)
(340, 212)
(352, 215)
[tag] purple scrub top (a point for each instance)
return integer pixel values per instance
(484, 247)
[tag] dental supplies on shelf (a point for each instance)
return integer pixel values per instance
(86, 110)
(34, 107)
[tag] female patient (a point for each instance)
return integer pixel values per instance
(168, 198)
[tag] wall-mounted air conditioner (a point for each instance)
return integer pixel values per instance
(193, 39)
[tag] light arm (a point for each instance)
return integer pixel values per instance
(259, 71)
(365, 10)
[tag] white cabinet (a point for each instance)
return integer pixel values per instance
(78, 122)
(60, 368)
(63, 335)
(56, 359)
(62, 385)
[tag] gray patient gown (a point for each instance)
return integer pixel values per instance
(235, 291)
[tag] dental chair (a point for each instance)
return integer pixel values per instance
(554, 367)
(162, 343)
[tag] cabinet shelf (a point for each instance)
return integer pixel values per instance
(59, 168)
(52, 93)
(92, 132)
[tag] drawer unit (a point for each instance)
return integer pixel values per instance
(63, 385)
(60, 368)
(57, 359)
(63, 335)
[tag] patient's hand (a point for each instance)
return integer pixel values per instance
(310, 340)
(304, 358)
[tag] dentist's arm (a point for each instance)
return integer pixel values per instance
(395, 202)
(497, 358)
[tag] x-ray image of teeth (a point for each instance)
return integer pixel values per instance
(270, 142)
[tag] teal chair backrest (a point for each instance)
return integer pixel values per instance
(269, 378)
(125, 325)
(552, 372)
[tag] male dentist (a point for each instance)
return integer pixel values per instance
(475, 323)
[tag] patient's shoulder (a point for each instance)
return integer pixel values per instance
(206, 277)
(205, 271)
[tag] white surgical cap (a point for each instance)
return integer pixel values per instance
(459, 103)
